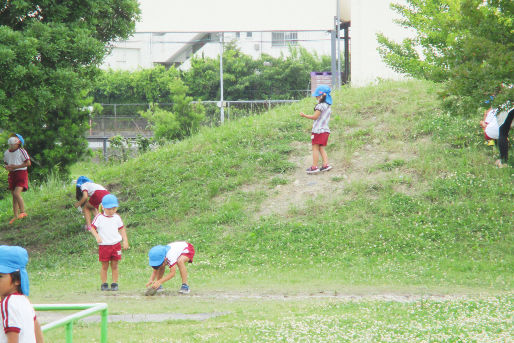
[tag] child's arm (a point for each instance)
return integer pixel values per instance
(313, 117)
(38, 332)
(486, 112)
(12, 337)
(152, 277)
(123, 234)
(483, 123)
(11, 167)
(165, 278)
(82, 201)
(96, 235)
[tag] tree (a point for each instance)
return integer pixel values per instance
(184, 119)
(247, 79)
(49, 53)
(141, 86)
(466, 45)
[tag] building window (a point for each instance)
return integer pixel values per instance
(249, 35)
(284, 38)
(238, 34)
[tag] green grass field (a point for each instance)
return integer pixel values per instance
(408, 239)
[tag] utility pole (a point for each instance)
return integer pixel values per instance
(338, 30)
(222, 111)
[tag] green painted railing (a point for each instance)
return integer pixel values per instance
(86, 310)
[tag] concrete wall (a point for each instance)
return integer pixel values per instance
(370, 17)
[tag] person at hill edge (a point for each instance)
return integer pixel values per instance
(496, 125)
(87, 189)
(171, 255)
(320, 129)
(16, 160)
(109, 231)
(19, 322)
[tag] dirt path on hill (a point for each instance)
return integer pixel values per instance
(360, 166)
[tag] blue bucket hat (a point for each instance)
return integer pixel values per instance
(157, 254)
(13, 259)
(109, 201)
(21, 139)
(320, 90)
(82, 180)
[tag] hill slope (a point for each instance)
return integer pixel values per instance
(413, 201)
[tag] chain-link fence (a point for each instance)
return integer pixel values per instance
(125, 119)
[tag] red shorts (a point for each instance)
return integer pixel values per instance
(18, 178)
(96, 198)
(320, 138)
(190, 254)
(109, 252)
(487, 138)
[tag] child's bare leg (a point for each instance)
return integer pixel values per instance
(103, 271)
(17, 201)
(315, 155)
(324, 155)
(114, 270)
(14, 204)
(181, 263)
(88, 209)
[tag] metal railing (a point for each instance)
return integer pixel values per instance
(86, 310)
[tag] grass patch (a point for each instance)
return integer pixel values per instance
(424, 210)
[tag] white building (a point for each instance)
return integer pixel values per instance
(147, 49)
(171, 31)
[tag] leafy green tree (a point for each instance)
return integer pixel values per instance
(466, 45)
(248, 79)
(49, 53)
(142, 86)
(203, 78)
(184, 119)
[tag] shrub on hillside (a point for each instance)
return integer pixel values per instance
(182, 121)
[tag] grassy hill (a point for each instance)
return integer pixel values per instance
(414, 204)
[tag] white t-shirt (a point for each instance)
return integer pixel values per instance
(492, 130)
(108, 228)
(91, 188)
(18, 315)
(16, 157)
(320, 125)
(177, 249)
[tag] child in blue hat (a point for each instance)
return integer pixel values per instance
(320, 129)
(16, 160)
(18, 316)
(109, 231)
(171, 255)
(89, 197)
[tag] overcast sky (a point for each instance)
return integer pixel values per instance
(236, 15)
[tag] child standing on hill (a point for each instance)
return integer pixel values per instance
(320, 129)
(176, 253)
(16, 161)
(109, 231)
(88, 189)
(19, 321)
